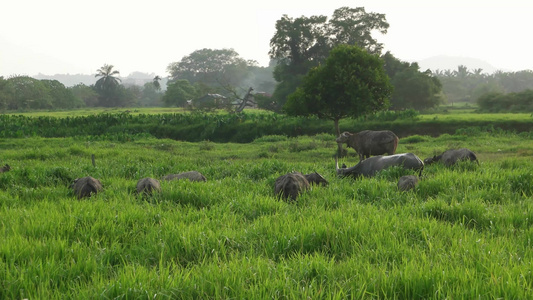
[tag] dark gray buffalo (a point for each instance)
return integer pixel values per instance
(369, 142)
(451, 157)
(370, 166)
(147, 186)
(315, 178)
(5, 168)
(407, 182)
(289, 186)
(191, 175)
(86, 186)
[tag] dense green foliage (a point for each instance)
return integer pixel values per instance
(464, 232)
(212, 67)
(246, 126)
(463, 85)
(23, 92)
(351, 83)
(300, 44)
(512, 102)
(178, 92)
(412, 89)
(220, 71)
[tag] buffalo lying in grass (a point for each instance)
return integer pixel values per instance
(452, 156)
(370, 166)
(369, 142)
(147, 186)
(86, 186)
(5, 168)
(407, 182)
(289, 186)
(191, 175)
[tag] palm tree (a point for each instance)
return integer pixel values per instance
(107, 85)
(107, 81)
(156, 83)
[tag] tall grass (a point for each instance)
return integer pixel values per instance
(463, 232)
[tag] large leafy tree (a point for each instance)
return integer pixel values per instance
(108, 86)
(28, 93)
(351, 83)
(412, 88)
(354, 26)
(212, 67)
(302, 43)
(86, 93)
(61, 96)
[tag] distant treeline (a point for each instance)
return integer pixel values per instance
(512, 102)
(239, 128)
(463, 85)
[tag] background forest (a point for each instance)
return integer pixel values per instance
(221, 78)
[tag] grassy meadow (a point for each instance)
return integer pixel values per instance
(463, 232)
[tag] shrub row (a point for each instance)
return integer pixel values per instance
(239, 128)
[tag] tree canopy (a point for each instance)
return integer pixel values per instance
(302, 43)
(178, 92)
(108, 86)
(212, 67)
(412, 89)
(23, 92)
(351, 83)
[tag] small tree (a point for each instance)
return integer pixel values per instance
(156, 83)
(351, 83)
(178, 92)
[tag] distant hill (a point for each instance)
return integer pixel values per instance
(67, 79)
(443, 62)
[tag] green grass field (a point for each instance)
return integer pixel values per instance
(464, 232)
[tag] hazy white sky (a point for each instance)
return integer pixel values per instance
(79, 36)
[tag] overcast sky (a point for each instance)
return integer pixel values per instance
(79, 36)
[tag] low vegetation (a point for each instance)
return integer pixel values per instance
(462, 232)
(125, 125)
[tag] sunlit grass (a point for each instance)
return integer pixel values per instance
(463, 232)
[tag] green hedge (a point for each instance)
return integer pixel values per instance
(238, 128)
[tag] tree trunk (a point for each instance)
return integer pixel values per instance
(245, 100)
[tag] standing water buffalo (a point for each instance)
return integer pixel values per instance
(368, 142)
(370, 166)
(147, 186)
(290, 185)
(191, 175)
(86, 186)
(451, 157)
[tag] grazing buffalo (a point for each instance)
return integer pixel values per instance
(191, 175)
(315, 178)
(370, 166)
(451, 157)
(407, 182)
(5, 168)
(368, 142)
(86, 186)
(147, 186)
(289, 186)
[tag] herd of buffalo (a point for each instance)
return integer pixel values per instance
(371, 146)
